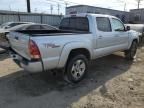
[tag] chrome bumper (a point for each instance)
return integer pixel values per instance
(30, 66)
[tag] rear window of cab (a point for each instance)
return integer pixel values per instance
(75, 23)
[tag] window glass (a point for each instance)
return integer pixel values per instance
(103, 24)
(75, 23)
(46, 27)
(14, 24)
(64, 23)
(34, 27)
(82, 24)
(18, 27)
(117, 25)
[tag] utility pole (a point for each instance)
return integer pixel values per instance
(35, 10)
(138, 3)
(51, 8)
(58, 8)
(125, 7)
(66, 4)
(28, 6)
(10, 7)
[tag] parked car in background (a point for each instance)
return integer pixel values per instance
(139, 28)
(12, 24)
(81, 38)
(31, 26)
(4, 29)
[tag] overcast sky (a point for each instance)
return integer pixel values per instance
(44, 6)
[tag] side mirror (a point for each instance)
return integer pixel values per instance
(127, 28)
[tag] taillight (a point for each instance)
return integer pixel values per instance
(33, 50)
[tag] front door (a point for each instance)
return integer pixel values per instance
(121, 35)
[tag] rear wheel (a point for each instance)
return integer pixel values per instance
(131, 53)
(76, 68)
(143, 40)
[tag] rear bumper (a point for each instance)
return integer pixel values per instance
(30, 66)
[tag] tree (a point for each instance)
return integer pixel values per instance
(138, 3)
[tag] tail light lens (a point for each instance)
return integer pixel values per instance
(33, 50)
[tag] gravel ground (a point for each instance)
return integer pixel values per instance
(112, 82)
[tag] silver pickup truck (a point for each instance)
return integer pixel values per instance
(81, 38)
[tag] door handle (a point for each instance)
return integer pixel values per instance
(16, 38)
(116, 35)
(100, 37)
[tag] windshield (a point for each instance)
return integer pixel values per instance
(18, 27)
(75, 23)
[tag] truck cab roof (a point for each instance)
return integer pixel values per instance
(90, 14)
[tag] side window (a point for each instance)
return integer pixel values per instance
(64, 23)
(46, 27)
(79, 23)
(117, 25)
(34, 27)
(14, 24)
(82, 24)
(75, 23)
(103, 24)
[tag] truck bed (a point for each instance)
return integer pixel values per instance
(19, 40)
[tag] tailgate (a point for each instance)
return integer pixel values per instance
(19, 43)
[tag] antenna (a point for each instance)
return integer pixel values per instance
(125, 6)
(58, 8)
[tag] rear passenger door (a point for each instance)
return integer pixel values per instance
(105, 37)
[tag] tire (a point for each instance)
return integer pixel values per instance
(131, 53)
(143, 40)
(76, 68)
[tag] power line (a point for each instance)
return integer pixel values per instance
(55, 2)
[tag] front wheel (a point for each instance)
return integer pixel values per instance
(131, 53)
(76, 68)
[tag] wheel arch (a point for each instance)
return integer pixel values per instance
(135, 39)
(74, 48)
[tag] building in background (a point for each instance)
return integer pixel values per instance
(13, 16)
(124, 16)
(134, 16)
(137, 15)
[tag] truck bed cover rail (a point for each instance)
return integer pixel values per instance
(47, 32)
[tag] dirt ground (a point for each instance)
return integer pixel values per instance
(112, 82)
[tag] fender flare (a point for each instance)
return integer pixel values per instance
(68, 48)
(132, 41)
